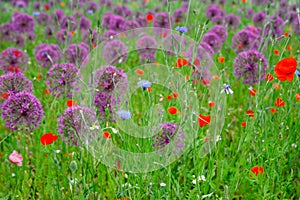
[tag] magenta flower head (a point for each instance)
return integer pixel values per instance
(179, 15)
(62, 79)
(22, 22)
(43, 19)
(12, 83)
(142, 21)
(169, 133)
(123, 11)
(162, 20)
(276, 28)
(77, 54)
(251, 66)
(74, 124)
(245, 40)
(6, 31)
(49, 32)
(232, 21)
(259, 18)
(69, 22)
(114, 51)
(220, 31)
(218, 20)
(16, 158)
(93, 6)
(47, 54)
(18, 40)
(92, 37)
(146, 45)
(22, 111)
(63, 36)
(57, 17)
(213, 11)
(85, 24)
(213, 40)
(13, 60)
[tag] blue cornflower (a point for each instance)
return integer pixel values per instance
(90, 12)
(226, 89)
(297, 73)
(36, 13)
(124, 114)
(144, 84)
(181, 30)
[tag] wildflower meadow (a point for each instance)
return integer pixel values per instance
(150, 99)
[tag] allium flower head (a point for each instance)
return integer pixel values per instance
(220, 31)
(213, 11)
(251, 66)
(22, 22)
(276, 26)
(6, 31)
(85, 24)
(161, 23)
(245, 40)
(43, 19)
(213, 40)
(104, 103)
(114, 51)
(69, 22)
(62, 79)
(74, 124)
(12, 83)
(64, 36)
(179, 15)
(167, 133)
(13, 60)
(232, 21)
(259, 18)
(77, 54)
(47, 54)
(146, 44)
(22, 111)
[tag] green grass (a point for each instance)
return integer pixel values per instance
(61, 171)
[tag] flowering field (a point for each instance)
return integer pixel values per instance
(148, 99)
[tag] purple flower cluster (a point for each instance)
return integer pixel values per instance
(111, 84)
(251, 66)
(114, 22)
(169, 133)
(77, 54)
(47, 54)
(162, 21)
(22, 22)
(74, 124)
(246, 39)
(62, 79)
(146, 46)
(22, 111)
(13, 60)
(214, 11)
(114, 51)
(12, 83)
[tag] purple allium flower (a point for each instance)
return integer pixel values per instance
(142, 21)
(12, 83)
(214, 10)
(123, 11)
(232, 21)
(36, 5)
(77, 54)
(220, 31)
(13, 60)
(62, 79)
(104, 103)
(259, 18)
(219, 20)
(213, 40)
(20, 4)
(57, 17)
(22, 111)
(245, 40)
(167, 133)
(110, 79)
(124, 114)
(74, 124)
(93, 37)
(203, 52)
(277, 26)
(47, 54)
(132, 24)
(43, 19)
(85, 24)
(297, 27)
(69, 22)
(144, 84)
(6, 31)
(49, 31)
(106, 18)
(292, 17)
(251, 66)
(23, 23)
(92, 6)
(30, 36)
(18, 40)
(146, 44)
(109, 34)
(179, 15)
(147, 58)
(260, 2)
(250, 13)
(114, 51)
(64, 36)
(107, 3)
(161, 20)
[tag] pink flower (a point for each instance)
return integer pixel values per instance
(16, 158)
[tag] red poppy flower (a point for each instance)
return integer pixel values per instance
(181, 62)
(149, 17)
(46, 7)
(172, 110)
(257, 170)
(250, 113)
(203, 120)
(244, 124)
(279, 102)
(71, 103)
(175, 95)
(252, 92)
(4, 96)
(211, 104)
(298, 97)
(139, 72)
(48, 138)
(169, 97)
(269, 77)
(276, 52)
(273, 110)
(285, 69)
(149, 89)
(47, 91)
(106, 135)
(221, 59)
